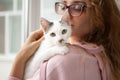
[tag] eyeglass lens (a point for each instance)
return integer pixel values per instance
(74, 9)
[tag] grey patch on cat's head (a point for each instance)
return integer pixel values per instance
(65, 20)
(45, 24)
(64, 23)
(51, 23)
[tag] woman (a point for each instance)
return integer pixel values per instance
(94, 44)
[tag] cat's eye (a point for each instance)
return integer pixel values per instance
(64, 31)
(53, 34)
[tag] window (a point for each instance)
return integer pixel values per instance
(12, 26)
(13, 32)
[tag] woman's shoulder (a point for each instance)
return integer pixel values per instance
(76, 52)
(82, 61)
(78, 61)
(77, 55)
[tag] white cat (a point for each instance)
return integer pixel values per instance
(56, 36)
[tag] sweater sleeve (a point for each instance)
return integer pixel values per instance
(78, 64)
(73, 67)
(68, 67)
(13, 78)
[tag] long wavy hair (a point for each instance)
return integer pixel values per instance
(106, 21)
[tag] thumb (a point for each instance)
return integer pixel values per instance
(38, 42)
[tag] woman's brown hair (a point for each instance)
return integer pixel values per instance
(106, 21)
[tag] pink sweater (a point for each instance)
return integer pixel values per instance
(82, 62)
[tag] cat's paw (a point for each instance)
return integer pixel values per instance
(64, 50)
(58, 50)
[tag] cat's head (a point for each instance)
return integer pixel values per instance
(56, 32)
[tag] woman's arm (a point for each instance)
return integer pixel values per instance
(26, 51)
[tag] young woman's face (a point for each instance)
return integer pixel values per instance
(80, 23)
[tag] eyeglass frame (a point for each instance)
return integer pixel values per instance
(83, 5)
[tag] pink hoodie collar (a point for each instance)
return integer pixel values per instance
(90, 47)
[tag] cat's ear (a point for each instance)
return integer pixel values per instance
(45, 24)
(65, 21)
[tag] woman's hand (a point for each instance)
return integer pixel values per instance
(26, 51)
(30, 45)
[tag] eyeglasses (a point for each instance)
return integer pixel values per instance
(74, 9)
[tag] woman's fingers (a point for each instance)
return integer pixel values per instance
(38, 34)
(38, 42)
(34, 36)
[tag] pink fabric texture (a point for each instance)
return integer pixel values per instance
(13, 78)
(82, 62)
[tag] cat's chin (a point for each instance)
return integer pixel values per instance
(61, 44)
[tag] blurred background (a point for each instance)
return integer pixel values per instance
(17, 19)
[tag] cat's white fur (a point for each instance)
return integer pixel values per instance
(50, 47)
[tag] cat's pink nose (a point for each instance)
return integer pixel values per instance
(61, 40)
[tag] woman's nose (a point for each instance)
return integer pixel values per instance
(66, 16)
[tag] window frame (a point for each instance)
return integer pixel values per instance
(7, 56)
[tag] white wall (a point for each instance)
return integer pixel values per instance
(5, 67)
